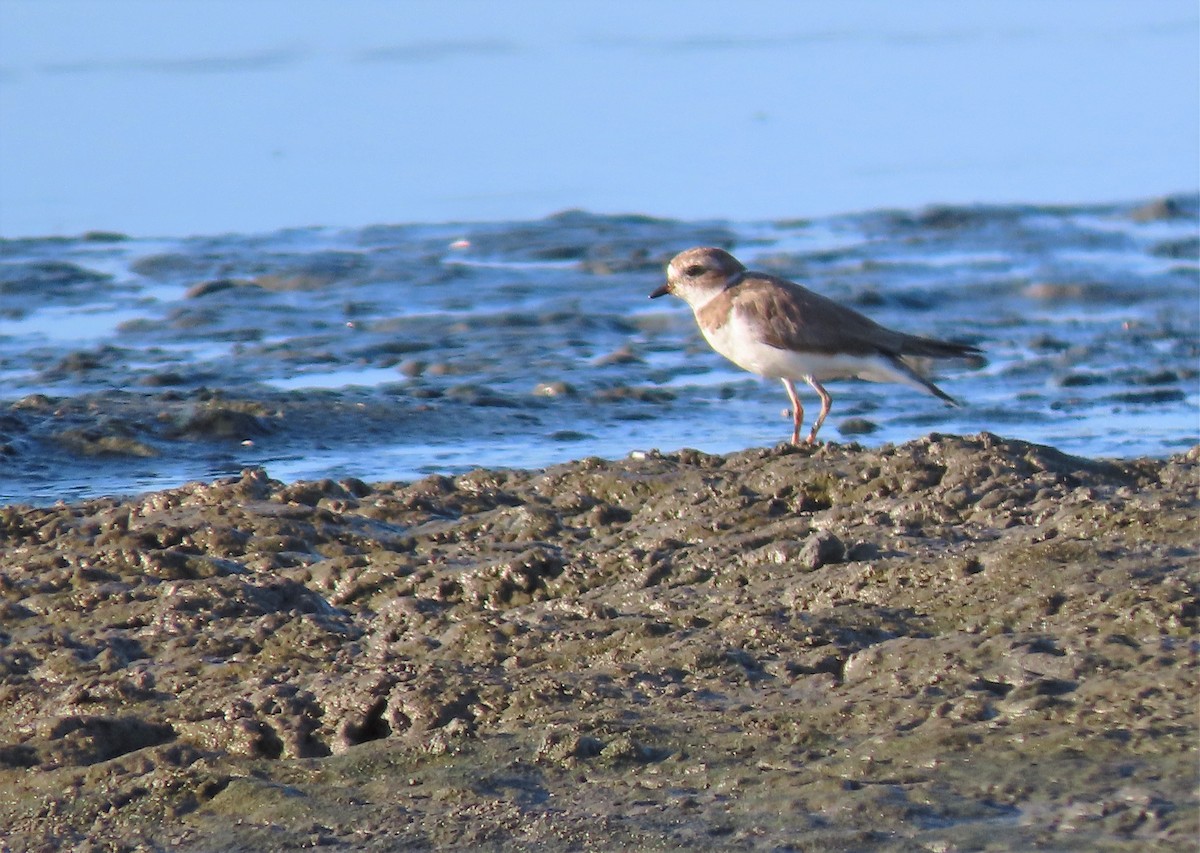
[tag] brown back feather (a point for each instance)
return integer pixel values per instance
(796, 318)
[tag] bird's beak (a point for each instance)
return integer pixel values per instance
(662, 291)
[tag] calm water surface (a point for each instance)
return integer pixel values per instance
(220, 116)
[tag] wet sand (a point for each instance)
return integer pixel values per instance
(960, 643)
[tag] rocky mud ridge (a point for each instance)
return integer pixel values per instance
(960, 643)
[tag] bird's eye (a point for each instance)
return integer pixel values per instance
(694, 271)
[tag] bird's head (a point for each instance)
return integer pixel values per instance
(697, 275)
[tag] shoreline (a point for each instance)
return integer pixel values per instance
(952, 641)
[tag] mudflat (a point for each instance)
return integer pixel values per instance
(960, 643)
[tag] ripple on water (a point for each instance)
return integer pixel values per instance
(360, 343)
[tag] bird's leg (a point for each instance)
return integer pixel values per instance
(825, 401)
(797, 410)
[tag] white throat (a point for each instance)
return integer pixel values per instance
(697, 298)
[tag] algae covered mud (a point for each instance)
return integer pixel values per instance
(130, 363)
(955, 644)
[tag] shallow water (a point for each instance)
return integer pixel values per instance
(390, 352)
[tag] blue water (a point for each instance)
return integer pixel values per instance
(390, 352)
(220, 116)
(147, 148)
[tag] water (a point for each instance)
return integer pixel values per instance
(218, 116)
(284, 133)
(389, 352)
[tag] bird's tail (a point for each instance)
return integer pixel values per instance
(933, 348)
(916, 380)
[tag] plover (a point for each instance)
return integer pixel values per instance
(777, 329)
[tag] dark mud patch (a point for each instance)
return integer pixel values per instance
(960, 643)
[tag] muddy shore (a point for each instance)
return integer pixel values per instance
(960, 643)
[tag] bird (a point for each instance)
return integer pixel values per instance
(779, 330)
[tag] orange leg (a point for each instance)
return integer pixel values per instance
(797, 411)
(825, 402)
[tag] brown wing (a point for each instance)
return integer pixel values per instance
(795, 318)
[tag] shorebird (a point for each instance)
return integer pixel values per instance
(779, 330)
